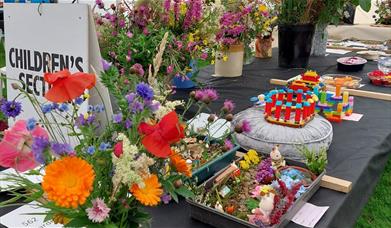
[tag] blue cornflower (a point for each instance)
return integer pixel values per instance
(79, 101)
(11, 108)
(46, 108)
(104, 146)
(63, 107)
(117, 118)
(55, 106)
(31, 123)
(99, 108)
(144, 91)
(91, 150)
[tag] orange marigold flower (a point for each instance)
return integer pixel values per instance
(68, 181)
(150, 194)
(180, 165)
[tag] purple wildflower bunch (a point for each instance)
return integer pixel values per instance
(232, 27)
(265, 173)
(206, 95)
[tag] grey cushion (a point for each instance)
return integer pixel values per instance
(316, 134)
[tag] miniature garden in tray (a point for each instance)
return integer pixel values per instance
(258, 191)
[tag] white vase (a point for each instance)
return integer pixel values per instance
(232, 66)
(319, 42)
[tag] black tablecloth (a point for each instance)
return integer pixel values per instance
(358, 153)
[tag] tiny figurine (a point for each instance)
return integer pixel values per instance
(277, 159)
(219, 207)
(266, 205)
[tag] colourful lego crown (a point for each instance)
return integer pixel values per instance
(293, 108)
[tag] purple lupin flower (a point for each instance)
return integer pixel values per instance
(166, 198)
(106, 65)
(167, 5)
(137, 107)
(117, 118)
(128, 124)
(176, 8)
(38, 147)
(62, 149)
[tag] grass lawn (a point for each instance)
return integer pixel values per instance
(377, 212)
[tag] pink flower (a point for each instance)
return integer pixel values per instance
(170, 69)
(204, 56)
(146, 31)
(99, 211)
(228, 144)
(118, 149)
(228, 106)
(137, 69)
(16, 146)
(129, 34)
(246, 126)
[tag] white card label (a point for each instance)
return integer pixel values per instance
(309, 215)
(21, 217)
(353, 117)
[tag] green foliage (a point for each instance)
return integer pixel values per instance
(252, 203)
(316, 161)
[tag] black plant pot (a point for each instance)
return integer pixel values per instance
(294, 45)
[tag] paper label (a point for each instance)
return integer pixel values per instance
(309, 215)
(353, 117)
(21, 218)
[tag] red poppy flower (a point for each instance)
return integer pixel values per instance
(157, 138)
(67, 86)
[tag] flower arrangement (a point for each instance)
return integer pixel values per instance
(258, 194)
(130, 34)
(383, 12)
(263, 18)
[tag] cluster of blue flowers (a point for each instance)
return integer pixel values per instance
(102, 147)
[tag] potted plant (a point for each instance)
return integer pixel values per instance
(329, 12)
(295, 32)
(230, 42)
(264, 19)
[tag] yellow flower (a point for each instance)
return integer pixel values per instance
(244, 165)
(183, 8)
(205, 42)
(191, 37)
(256, 14)
(86, 96)
(266, 189)
(85, 116)
(262, 8)
(253, 156)
(225, 58)
(247, 158)
(212, 62)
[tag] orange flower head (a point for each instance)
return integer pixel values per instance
(150, 194)
(68, 181)
(180, 165)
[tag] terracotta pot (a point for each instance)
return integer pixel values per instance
(263, 47)
(313, 176)
(233, 65)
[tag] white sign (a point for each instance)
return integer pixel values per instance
(47, 38)
(22, 217)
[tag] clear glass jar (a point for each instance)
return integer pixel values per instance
(384, 64)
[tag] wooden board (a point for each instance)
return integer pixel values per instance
(353, 92)
(336, 184)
